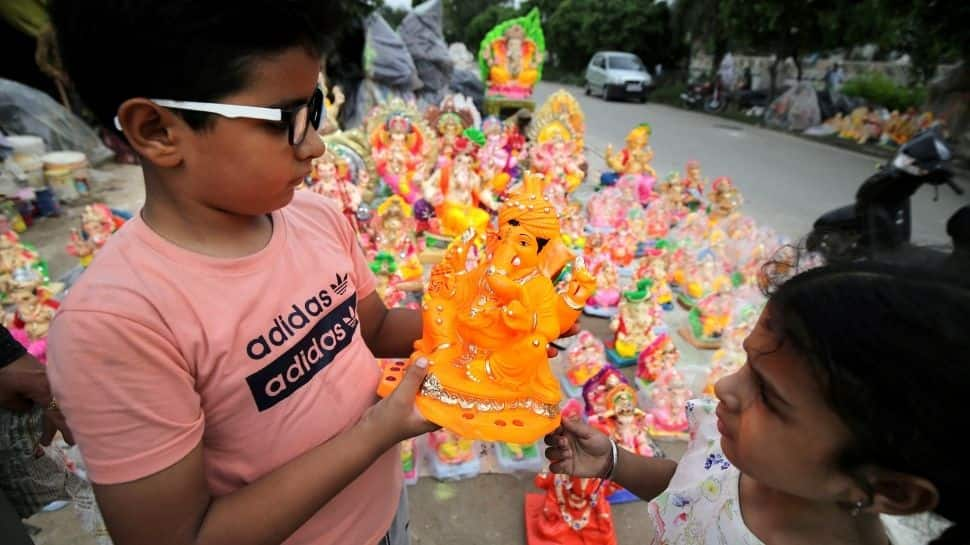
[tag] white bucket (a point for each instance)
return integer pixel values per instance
(27, 145)
(66, 173)
(27, 153)
(8, 185)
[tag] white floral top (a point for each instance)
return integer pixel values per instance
(701, 506)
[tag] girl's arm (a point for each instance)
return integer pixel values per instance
(579, 449)
(644, 477)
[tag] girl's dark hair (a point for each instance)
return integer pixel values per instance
(890, 344)
(196, 50)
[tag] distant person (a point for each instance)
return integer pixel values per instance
(726, 71)
(26, 408)
(834, 79)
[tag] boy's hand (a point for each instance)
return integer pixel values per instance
(578, 449)
(395, 418)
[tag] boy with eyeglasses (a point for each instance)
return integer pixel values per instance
(217, 360)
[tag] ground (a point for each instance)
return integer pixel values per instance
(786, 181)
(120, 186)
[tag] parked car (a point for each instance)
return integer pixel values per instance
(615, 74)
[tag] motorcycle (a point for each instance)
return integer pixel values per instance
(718, 98)
(693, 97)
(707, 95)
(880, 221)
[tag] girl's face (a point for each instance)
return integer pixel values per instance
(775, 425)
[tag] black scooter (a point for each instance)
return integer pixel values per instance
(880, 221)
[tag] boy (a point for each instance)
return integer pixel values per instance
(216, 361)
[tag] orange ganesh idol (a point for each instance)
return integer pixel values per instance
(486, 330)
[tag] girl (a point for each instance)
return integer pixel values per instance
(841, 419)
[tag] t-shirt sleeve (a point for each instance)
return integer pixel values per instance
(127, 393)
(363, 276)
(334, 222)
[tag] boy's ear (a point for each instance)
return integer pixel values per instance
(896, 493)
(153, 132)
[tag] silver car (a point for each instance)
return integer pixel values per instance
(615, 74)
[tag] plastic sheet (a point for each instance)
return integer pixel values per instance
(466, 82)
(797, 109)
(25, 110)
(421, 32)
(386, 59)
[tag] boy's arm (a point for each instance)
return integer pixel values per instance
(389, 333)
(175, 506)
(133, 398)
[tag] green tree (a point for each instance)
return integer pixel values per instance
(578, 28)
(565, 39)
(704, 22)
(478, 27)
(792, 29)
(459, 13)
(931, 31)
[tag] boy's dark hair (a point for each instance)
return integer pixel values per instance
(890, 345)
(197, 50)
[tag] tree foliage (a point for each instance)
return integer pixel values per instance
(578, 28)
(478, 27)
(930, 31)
(877, 88)
(703, 22)
(457, 16)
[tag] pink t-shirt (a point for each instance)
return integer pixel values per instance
(260, 358)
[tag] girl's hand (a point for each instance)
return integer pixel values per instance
(578, 449)
(395, 418)
(553, 350)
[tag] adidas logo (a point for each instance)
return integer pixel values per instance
(300, 315)
(351, 319)
(340, 286)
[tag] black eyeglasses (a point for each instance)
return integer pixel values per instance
(297, 118)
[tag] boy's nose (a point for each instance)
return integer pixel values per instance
(311, 147)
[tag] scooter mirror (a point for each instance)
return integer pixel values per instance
(907, 164)
(926, 150)
(942, 150)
